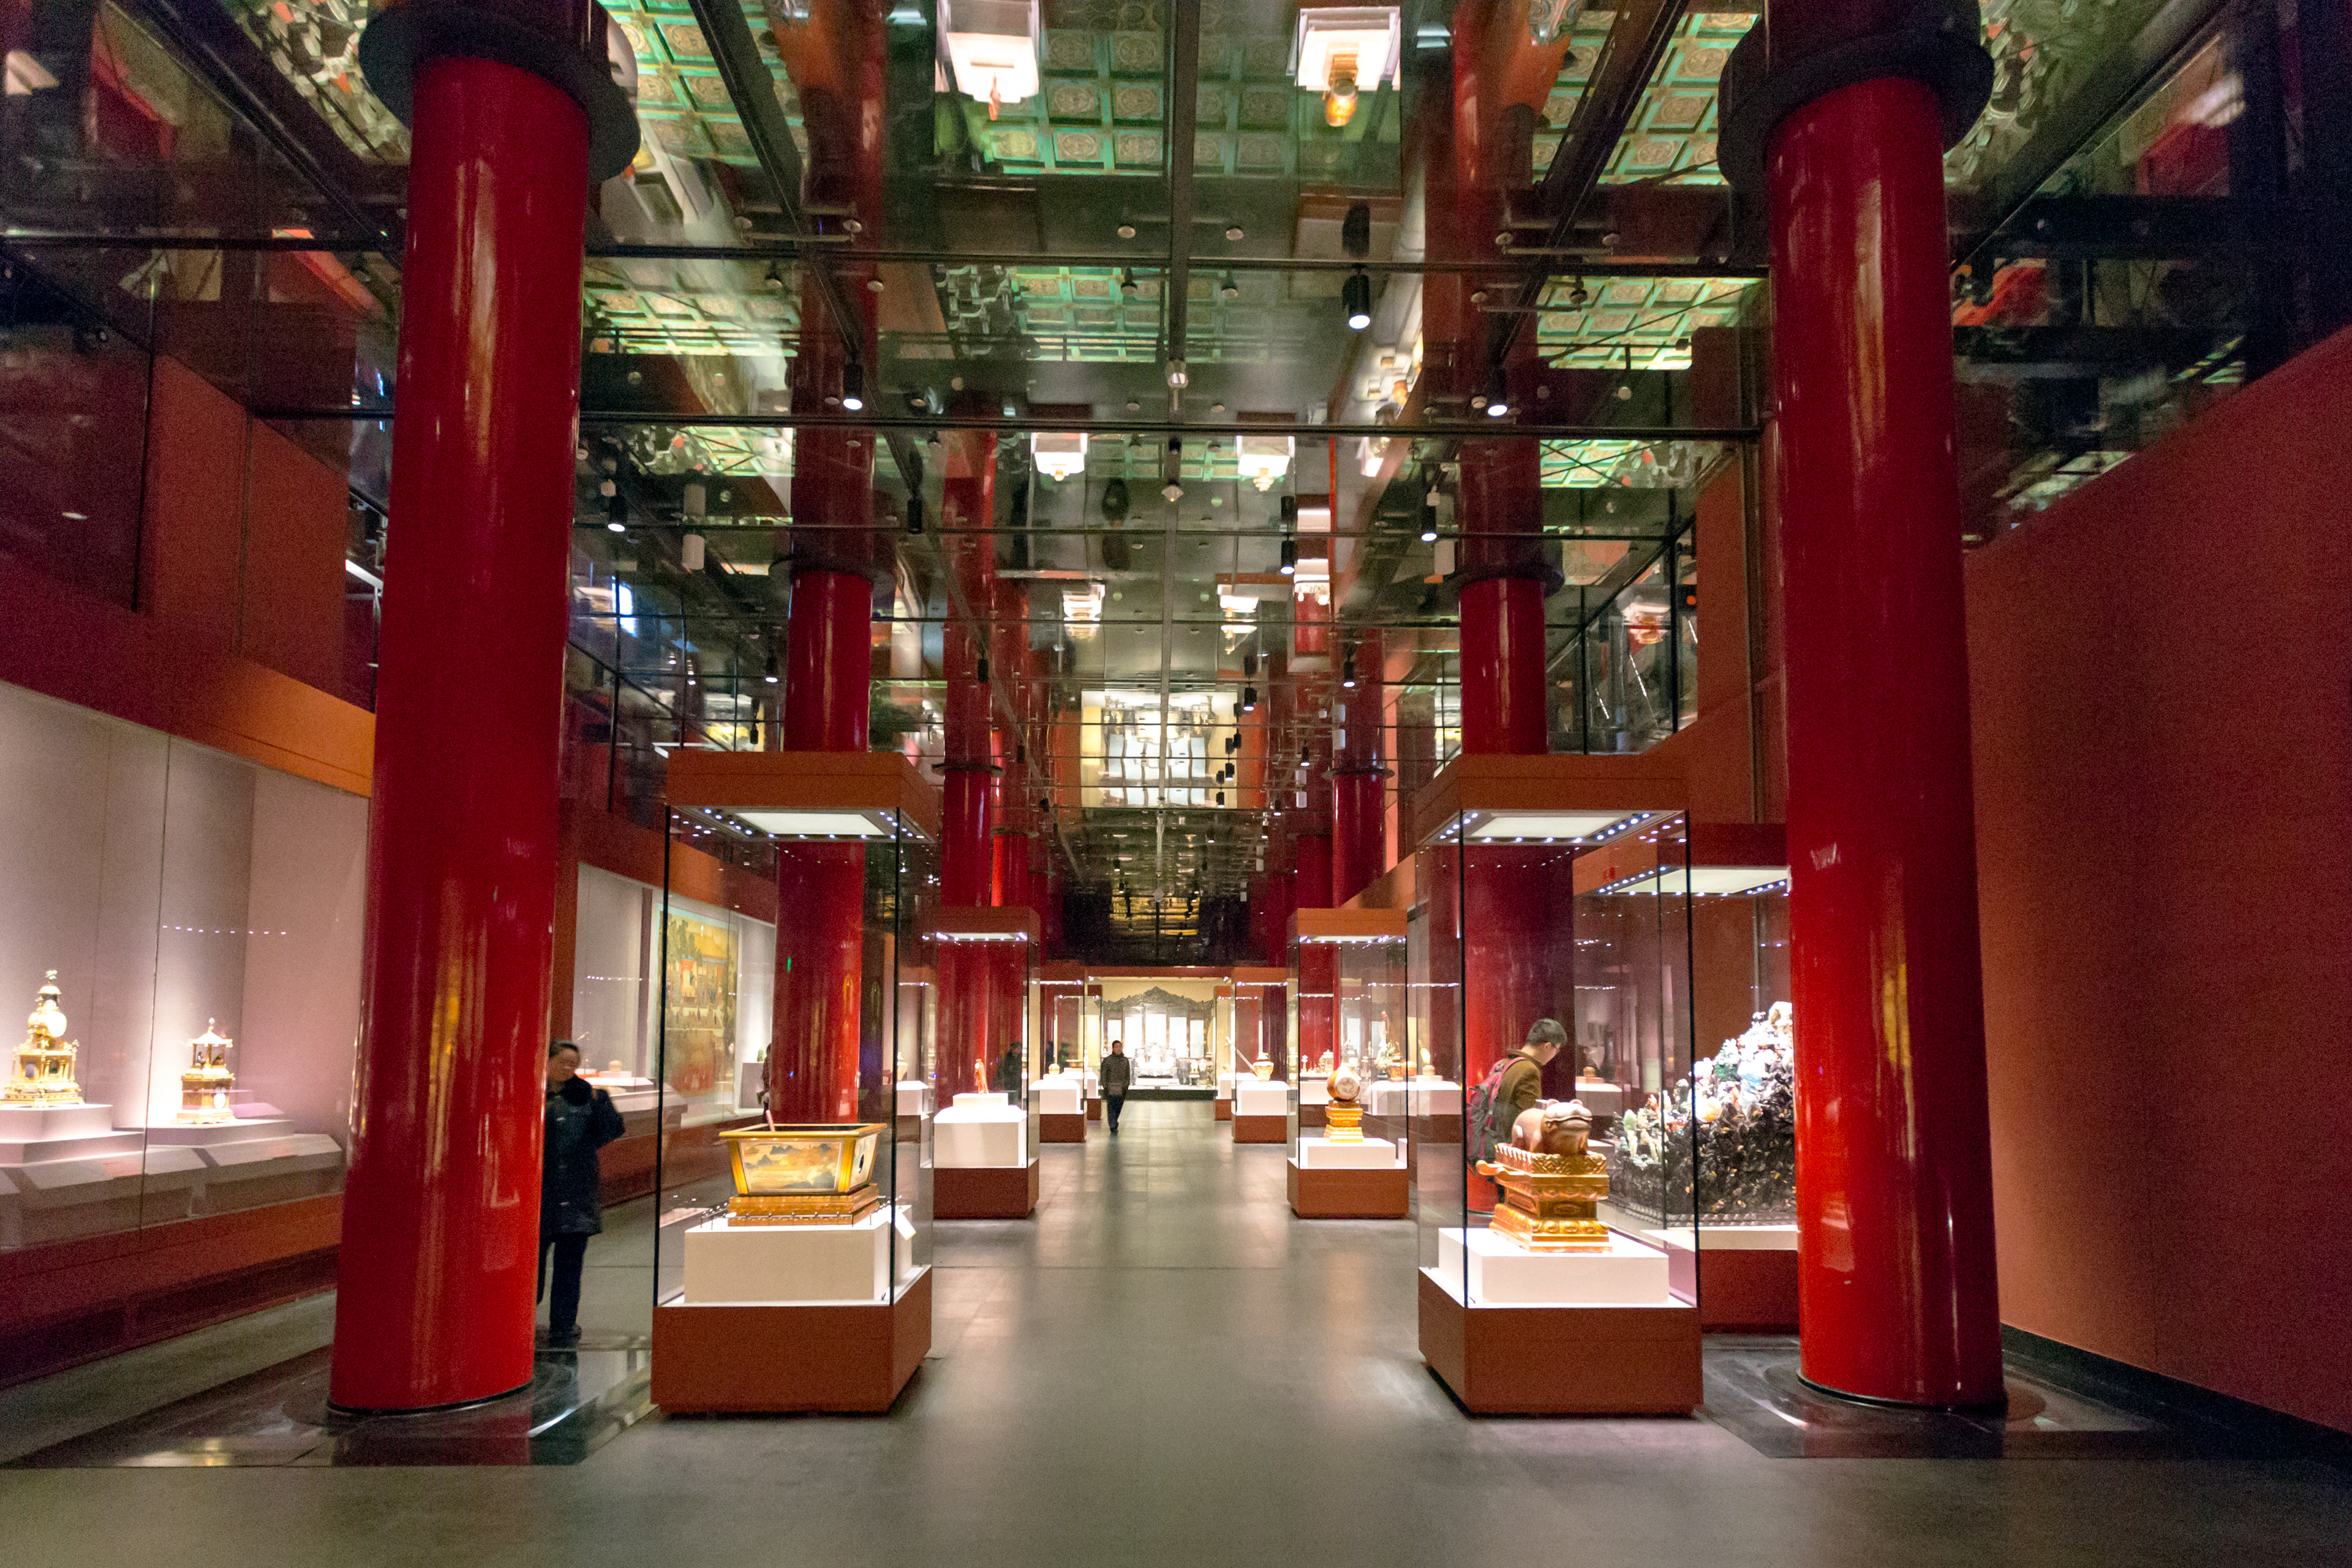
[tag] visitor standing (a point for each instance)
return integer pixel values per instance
(1117, 1070)
(581, 1120)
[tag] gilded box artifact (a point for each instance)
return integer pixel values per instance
(809, 1173)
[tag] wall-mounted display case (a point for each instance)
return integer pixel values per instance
(1346, 1127)
(1551, 890)
(181, 930)
(792, 1252)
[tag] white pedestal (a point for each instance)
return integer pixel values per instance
(31, 1134)
(1502, 1273)
(1252, 1097)
(1060, 1097)
(201, 1135)
(781, 1264)
(981, 1130)
(1314, 1088)
(1319, 1154)
(1600, 1096)
(915, 1098)
(1727, 1237)
(1435, 1097)
(1093, 1086)
(1382, 1098)
(1224, 1086)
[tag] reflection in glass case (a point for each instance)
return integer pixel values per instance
(182, 930)
(1349, 1126)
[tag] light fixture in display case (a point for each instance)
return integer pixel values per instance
(991, 48)
(793, 1264)
(1264, 459)
(1059, 454)
(1340, 50)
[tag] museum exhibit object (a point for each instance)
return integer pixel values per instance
(205, 1087)
(1062, 1079)
(41, 1070)
(1347, 1004)
(1561, 892)
(792, 1268)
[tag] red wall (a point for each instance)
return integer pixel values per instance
(2162, 682)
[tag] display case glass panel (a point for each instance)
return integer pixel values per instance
(1583, 919)
(987, 1049)
(1745, 1083)
(199, 918)
(799, 1209)
(1349, 1101)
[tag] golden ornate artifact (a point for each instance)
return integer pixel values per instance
(1343, 1118)
(42, 1070)
(1552, 1184)
(803, 1175)
(1396, 1069)
(204, 1087)
(1262, 1068)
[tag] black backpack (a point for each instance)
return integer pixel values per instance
(1486, 1134)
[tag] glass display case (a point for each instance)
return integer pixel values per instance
(1555, 906)
(1061, 1068)
(986, 1130)
(182, 931)
(1347, 1126)
(1260, 1056)
(824, 1202)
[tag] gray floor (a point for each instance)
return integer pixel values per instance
(1163, 1367)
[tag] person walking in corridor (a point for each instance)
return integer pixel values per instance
(581, 1120)
(1117, 1072)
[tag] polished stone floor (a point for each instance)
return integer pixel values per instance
(1161, 1368)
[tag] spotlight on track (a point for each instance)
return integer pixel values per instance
(853, 387)
(1356, 296)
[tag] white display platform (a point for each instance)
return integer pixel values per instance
(1314, 1089)
(1600, 1096)
(1435, 1097)
(1727, 1237)
(981, 1130)
(1319, 1153)
(198, 1135)
(41, 1123)
(1501, 1273)
(1383, 1097)
(310, 1151)
(1252, 1097)
(1224, 1086)
(915, 1098)
(806, 1265)
(1094, 1086)
(1060, 1097)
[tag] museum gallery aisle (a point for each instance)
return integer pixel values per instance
(1163, 1366)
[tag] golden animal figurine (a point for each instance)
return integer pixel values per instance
(204, 1087)
(803, 1175)
(1343, 1118)
(1552, 1182)
(42, 1070)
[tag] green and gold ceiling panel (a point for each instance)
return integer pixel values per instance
(1672, 132)
(1647, 316)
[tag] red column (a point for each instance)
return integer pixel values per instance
(1319, 1003)
(1895, 1190)
(967, 510)
(441, 1205)
(1359, 788)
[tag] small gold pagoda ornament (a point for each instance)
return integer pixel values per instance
(1343, 1118)
(204, 1087)
(1552, 1184)
(42, 1070)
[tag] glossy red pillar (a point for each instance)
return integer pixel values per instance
(1503, 708)
(1319, 1003)
(820, 964)
(1894, 1202)
(1360, 824)
(967, 515)
(441, 1204)
(828, 662)
(1311, 877)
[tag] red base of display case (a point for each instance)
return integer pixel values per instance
(1562, 1361)
(1261, 1130)
(1747, 1290)
(984, 1192)
(1061, 1127)
(1225, 1110)
(1310, 1115)
(1094, 1110)
(720, 1360)
(1349, 1194)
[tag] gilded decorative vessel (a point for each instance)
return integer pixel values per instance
(41, 1072)
(805, 1174)
(1262, 1068)
(204, 1087)
(1343, 1117)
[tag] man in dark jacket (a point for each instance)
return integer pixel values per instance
(581, 1120)
(1117, 1072)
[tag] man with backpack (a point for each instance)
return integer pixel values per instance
(1512, 1085)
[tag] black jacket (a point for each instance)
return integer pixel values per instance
(581, 1120)
(1118, 1070)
